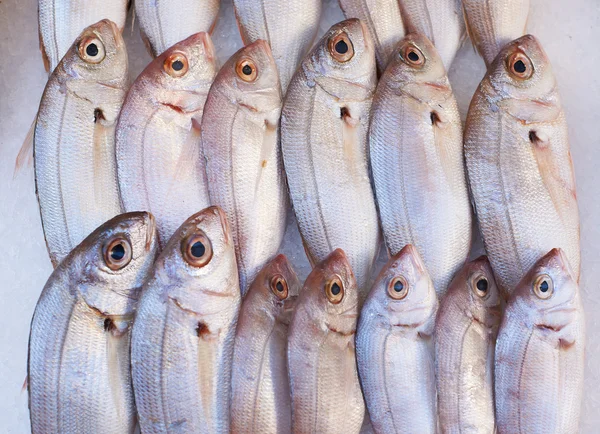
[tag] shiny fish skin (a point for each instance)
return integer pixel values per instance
(493, 24)
(394, 349)
(244, 167)
(383, 19)
(326, 395)
(164, 23)
(440, 20)
(78, 367)
(465, 337)
(260, 390)
(290, 28)
(60, 22)
(324, 140)
(540, 353)
(74, 155)
(519, 165)
(416, 149)
(158, 146)
(183, 333)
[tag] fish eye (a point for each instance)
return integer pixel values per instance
(176, 65)
(412, 56)
(197, 249)
(246, 70)
(341, 48)
(91, 50)
(398, 288)
(543, 286)
(279, 286)
(117, 253)
(480, 285)
(334, 290)
(520, 66)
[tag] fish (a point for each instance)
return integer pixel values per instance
(493, 24)
(384, 21)
(465, 339)
(519, 164)
(290, 29)
(441, 21)
(165, 23)
(74, 146)
(242, 154)
(183, 333)
(326, 395)
(416, 151)
(78, 363)
(540, 356)
(158, 136)
(324, 123)
(260, 390)
(61, 22)
(394, 348)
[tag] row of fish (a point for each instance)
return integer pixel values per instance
(292, 359)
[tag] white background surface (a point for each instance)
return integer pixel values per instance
(569, 31)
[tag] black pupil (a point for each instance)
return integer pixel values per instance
(335, 289)
(398, 286)
(482, 285)
(413, 56)
(198, 249)
(279, 286)
(117, 252)
(247, 70)
(177, 65)
(520, 67)
(544, 286)
(92, 50)
(341, 47)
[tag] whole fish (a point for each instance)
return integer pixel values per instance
(184, 329)
(74, 145)
(260, 390)
(244, 167)
(416, 151)
(165, 23)
(290, 29)
(79, 377)
(519, 164)
(465, 337)
(440, 20)
(326, 395)
(383, 19)
(324, 127)
(540, 355)
(393, 347)
(493, 24)
(61, 22)
(159, 159)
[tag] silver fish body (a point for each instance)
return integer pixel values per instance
(440, 20)
(384, 21)
(519, 164)
(61, 22)
(324, 140)
(165, 23)
(244, 167)
(183, 333)
(540, 357)
(326, 395)
(78, 369)
(159, 162)
(493, 24)
(260, 391)
(290, 28)
(465, 338)
(394, 349)
(416, 150)
(74, 149)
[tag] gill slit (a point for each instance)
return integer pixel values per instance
(260, 377)
(403, 189)
(143, 162)
(238, 248)
(58, 175)
(386, 382)
(164, 379)
(60, 365)
(521, 368)
(316, 379)
(460, 376)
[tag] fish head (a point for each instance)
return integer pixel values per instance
(403, 292)
(112, 263)
(98, 54)
(485, 301)
(343, 61)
